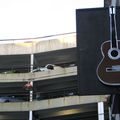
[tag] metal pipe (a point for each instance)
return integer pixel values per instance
(31, 82)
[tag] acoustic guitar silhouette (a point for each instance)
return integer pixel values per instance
(108, 70)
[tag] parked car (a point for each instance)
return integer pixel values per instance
(10, 99)
(46, 68)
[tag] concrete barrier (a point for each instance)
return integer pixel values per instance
(37, 76)
(50, 103)
(39, 45)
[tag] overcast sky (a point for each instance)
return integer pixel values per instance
(33, 18)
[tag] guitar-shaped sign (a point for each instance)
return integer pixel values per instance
(108, 70)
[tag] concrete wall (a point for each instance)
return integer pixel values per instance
(37, 76)
(36, 46)
(50, 103)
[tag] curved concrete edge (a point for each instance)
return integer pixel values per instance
(37, 76)
(39, 45)
(50, 103)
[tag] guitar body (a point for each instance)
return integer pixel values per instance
(108, 70)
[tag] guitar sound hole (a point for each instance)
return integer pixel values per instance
(114, 53)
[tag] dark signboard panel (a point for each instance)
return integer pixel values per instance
(17, 63)
(93, 29)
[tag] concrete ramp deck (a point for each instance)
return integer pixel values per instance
(37, 76)
(50, 103)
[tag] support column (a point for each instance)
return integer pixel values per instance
(100, 111)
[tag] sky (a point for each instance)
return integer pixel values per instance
(37, 18)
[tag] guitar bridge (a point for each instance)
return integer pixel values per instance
(115, 68)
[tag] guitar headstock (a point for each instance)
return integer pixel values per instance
(108, 3)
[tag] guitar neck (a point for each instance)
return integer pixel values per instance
(113, 29)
